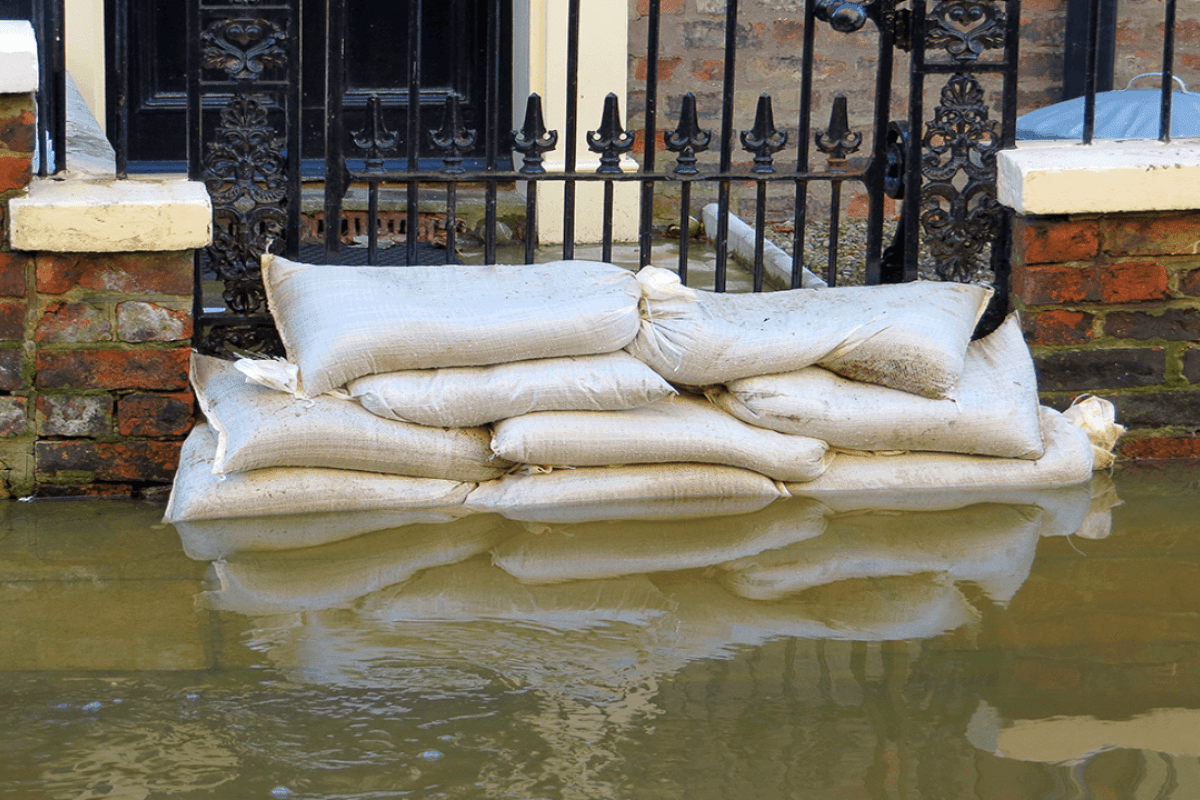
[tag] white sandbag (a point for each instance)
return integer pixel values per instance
(621, 492)
(336, 574)
(909, 336)
(994, 410)
(610, 549)
(212, 539)
(1067, 461)
(1097, 418)
(340, 323)
(258, 427)
(991, 545)
(460, 397)
(674, 429)
(199, 494)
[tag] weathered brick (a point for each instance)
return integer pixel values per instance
(666, 7)
(1058, 327)
(11, 364)
(1156, 235)
(1173, 324)
(85, 490)
(113, 369)
(134, 273)
(155, 414)
(138, 321)
(1157, 409)
(12, 273)
(12, 319)
(1133, 281)
(1161, 447)
(1051, 285)
(74, 322)
(1191, 365)
(18, 132)
(13, 416)
(710, 35)
(1189, 283)
(15, 172)
(789, 32)
(1048, 241)
(709, 69)
(151, 462)
(666, 67)
(1091, 370)
(74, 415)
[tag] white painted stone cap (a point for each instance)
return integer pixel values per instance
(18, 57)
(1067, 177)
(110, 216)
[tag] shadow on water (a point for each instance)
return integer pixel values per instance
(1039, 644)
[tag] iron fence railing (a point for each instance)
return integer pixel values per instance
(48, 18)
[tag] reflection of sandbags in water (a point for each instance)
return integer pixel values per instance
(1084, 509)
(994, 410)
(210, 539)
(634, 491)
(711, 620)
(335, 574)
(199, 494)
(671, 430)
(259, 428)
(608, 549)
(476, 590)
(991, 545)
(1067, 461)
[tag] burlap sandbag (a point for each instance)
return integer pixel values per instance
(212, 539)
(610, 549)
(624, 492)
(199, 494)
(909, 336)
(1067, 461)
(258, 428)
(340, 323)
(459, 397)
(674, 429)
(336, 574)
(991, 545)
(994, 410)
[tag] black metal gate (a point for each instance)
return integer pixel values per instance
(244, 103)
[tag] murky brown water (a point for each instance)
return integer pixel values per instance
(789, 652)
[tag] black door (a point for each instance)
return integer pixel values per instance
(454, 40)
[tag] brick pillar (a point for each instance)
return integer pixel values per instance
(1111, 306)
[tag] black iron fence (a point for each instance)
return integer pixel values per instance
(48, 18)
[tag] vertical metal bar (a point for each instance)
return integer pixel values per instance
(1089, 81)
(572, 128)
(607, 240)
(913, 189)
(722, 241)
(685, 218)
(835, 225)
(492, 142)
(193, 127)
(531, 220)
(44, 83)
(760, 232)
(1168, 71)
(651, 132)
(414, 128)
(121, 80)
(59, 85)
(875, 196)
(373, 221)
(451, 220)
(803, 136)
(335, 132)
(294, 106)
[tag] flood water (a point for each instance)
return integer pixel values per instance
(1021, 647)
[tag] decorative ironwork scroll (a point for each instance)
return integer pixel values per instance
(965, 28)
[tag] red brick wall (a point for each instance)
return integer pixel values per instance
(1112, 307)
(94, 395)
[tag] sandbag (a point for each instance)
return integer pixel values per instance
(212, 539)
(1067, 461)
(622, 492)
(199, 494)
(316, 578)
(460, 397)
(674, 429)
(340, 323)
(610, 549)
(991, 545)
(258, 427)
(994, 410)
(909, 336)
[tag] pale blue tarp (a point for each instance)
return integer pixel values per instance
(1122, 114)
